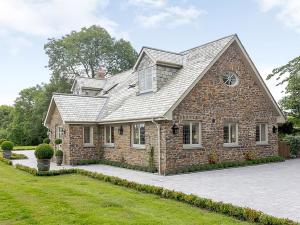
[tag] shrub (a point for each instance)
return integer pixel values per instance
(213, 158)
(58, 141)
(44, 151)
(59, 153)
(46, 141)
(294, 143)
(2, 140)
(7, 145)
(18, 156)
(250, 155)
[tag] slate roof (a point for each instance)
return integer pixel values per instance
(77, 108)
(122, 103)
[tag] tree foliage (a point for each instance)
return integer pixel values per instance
(290, 74)
(6, 117)
(83, 53)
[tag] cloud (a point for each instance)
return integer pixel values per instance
(52, 17)
(149, 3)
(170, 17)
(287, 11)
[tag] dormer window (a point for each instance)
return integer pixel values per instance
(145, 80)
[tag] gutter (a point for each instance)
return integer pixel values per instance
(158, 144)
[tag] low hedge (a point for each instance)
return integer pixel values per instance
(241, 213)
(117, 164)
(6, 161)
(18, 156)
(223, 165)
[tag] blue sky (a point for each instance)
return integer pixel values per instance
(269, 30)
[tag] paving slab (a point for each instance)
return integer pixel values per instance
(273, 188)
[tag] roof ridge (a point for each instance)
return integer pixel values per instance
(92, 78)
(66, 94)
(157, 49)
(207, 43)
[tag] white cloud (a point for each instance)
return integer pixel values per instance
(172, 16)
(287, 11)
(151, 3)
(52, 17)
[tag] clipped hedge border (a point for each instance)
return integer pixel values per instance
(224, 165)
(117, 164)
(6, 161)
(241, 213)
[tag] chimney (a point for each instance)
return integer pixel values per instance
(101, 73)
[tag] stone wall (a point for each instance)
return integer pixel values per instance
(213, 103)
(124, 151)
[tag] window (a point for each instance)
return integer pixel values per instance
(58, 132)
(109, 135)
(262, 133)
(145, 80)
(88, 135)
(138, 135)
(230, 134)
(191, 134)
(230, 78)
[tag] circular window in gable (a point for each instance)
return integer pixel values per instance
(230, 78)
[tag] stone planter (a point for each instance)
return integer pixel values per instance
(6, 154)
(43, 164)
(59, 160)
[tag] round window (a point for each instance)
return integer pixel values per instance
(230, 78)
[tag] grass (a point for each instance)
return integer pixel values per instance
(75, 199)
(17, 148)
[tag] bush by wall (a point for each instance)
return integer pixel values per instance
(117, 164)
(46, 141)
(241, 213)
(294, 143)
(223, 165)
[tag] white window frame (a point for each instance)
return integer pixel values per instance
(58, 132)
(91, 143)
(144, 73)
(189, 146)
(266, 133)
(139, 146)
(108, 144)
(231, 144)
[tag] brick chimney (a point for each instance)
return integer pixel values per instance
(100, 73)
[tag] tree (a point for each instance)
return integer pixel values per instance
(6, 116)
(83, 53)
(290, 74)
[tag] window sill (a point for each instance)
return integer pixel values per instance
(231, 145)
(262, 143)
(143, 147)
(88, 145)
(192, 147)
(109, 145)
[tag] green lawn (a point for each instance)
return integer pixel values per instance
(75, 199)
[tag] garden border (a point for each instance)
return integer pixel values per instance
(240, 213)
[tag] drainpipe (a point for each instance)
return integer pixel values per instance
(158, 144)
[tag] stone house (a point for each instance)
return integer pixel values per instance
(185, 106)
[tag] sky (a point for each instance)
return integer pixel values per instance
(269, 30)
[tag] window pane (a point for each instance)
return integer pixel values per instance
(112, 135)
(142, 80)
(257, 136)
(135, 134)
(226, 133)
(233, 133)
(195, 133)
(263, 132)
(142, 134)
(87, 135)
(186, 134)
(148, 85)
(107, 135)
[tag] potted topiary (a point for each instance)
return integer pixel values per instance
(58, 141)
(43, 153)
(7, 146)
(46, 141)
(59, 157)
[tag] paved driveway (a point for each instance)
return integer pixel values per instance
(272, 188)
